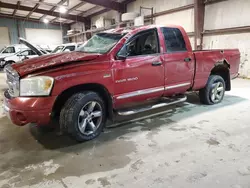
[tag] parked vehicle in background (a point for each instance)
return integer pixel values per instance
(30, 52)
(19, 56)
(120, 72)
(11, 50)
(69, 47)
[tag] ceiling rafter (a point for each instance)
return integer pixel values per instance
(108, 4)
(77, 6)
(54, 8)
(99, 12)
(72, 9)
(94, 14)
(82, 17)
(34, 8)
(112, 5)
(22, 18)
(18, 5)
(42, 11)
(90, 10)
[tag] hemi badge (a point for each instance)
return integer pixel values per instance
(107, 75)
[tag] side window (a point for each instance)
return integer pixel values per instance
(144, 43)
(70, 48)
(25, 53)
(31, 52)
(174, 40)
(9, 50)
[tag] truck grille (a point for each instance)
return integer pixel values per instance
(12, 81)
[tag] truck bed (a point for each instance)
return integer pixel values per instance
(205, 60)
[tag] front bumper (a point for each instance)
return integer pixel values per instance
(24, 110)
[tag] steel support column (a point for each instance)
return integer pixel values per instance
(199, 13)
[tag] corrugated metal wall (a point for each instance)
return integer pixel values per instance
(228, 14)
(17, 28)
(12, 25)
(184, 18)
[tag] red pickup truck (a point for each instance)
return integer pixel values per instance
(121, 71)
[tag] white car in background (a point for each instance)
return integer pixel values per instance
(66, 47)
(30, 52)
(19, 56)
(11, 50)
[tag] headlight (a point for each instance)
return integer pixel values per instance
(36, 86)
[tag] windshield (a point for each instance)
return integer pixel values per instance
(100, 43)
(2, 49)
(58, 49)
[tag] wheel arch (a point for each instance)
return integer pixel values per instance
(9, 62)
(222, 68)
(101, 90)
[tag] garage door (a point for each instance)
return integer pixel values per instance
(44, 37)
(4, 37)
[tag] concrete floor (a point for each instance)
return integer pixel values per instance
(190, 145)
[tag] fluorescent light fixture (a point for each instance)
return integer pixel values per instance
(45, 20)
(62, 9)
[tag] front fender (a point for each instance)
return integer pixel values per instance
(63, 82)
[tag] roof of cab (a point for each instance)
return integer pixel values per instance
(133, 29)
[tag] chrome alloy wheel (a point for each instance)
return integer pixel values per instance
(90, 118)
(217, 92)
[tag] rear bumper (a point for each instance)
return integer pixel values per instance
(24, 110)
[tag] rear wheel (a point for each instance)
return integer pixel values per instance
(83, 116)
(214, 91)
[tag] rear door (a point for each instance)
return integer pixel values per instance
(140, 76)
(22, 55)
(178, 62)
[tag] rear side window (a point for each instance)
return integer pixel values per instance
(25, 53)
(9, 50)
(174, 40)
(31, 52)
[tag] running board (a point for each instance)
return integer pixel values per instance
(164, 102)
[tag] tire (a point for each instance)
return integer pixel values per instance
(213, 92)
(45, 129)
(83, 116)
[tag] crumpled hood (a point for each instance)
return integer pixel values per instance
(47, 61)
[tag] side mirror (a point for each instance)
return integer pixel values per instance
(19, 55)
(123, 53)
(121, 57)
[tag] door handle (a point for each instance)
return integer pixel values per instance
(188, 59)
(158, 63)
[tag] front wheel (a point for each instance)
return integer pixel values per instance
(214, 91)
(83, 116)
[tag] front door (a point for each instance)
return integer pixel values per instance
(178, 62)
(140, 76)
